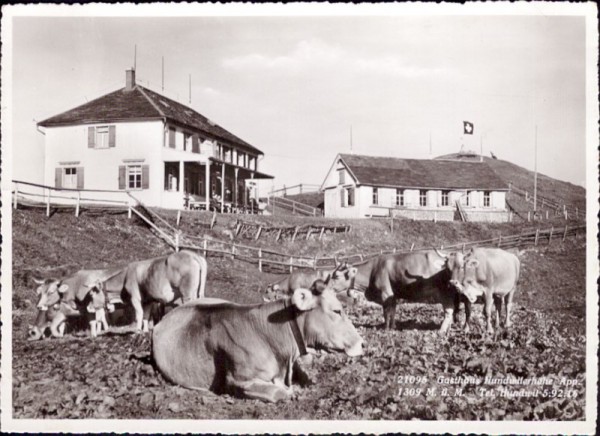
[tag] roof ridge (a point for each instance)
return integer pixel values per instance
(143, 91)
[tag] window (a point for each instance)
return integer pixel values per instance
(399, 197)
(343, 194)
(171, 137)
(445, 198)
(134, 177)
(187, 142)
(375, 196)
(101, 136)
(422, 197)
(486, 199)
(467, 198)
(69, 178)
(350, 196)
(342, 176)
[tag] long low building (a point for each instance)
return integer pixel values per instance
(358, 186)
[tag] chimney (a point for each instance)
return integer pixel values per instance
(129, 79)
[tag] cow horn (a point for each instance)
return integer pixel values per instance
(38, 281)
(439, 253)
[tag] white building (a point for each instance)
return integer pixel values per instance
(162, 151)
(363, 186)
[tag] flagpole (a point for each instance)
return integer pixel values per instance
(535, 174)
(481, 147)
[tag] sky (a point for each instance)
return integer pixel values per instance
(304, 88)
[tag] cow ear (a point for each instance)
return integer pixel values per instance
(63, 288)
(304, 299)
(326, 279)
(473, 262)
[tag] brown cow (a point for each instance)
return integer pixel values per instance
(338, 279)
(417, 276)
(162, 279)
(250, 350)
(489, 272)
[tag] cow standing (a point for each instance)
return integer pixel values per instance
(250, 350)
(159, 280)
(489, 272)
(417, 277)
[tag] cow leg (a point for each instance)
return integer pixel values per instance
(389, 312)
(489, 303)
(101, 318)
(448, 316)
(55, 326)
(508, 303)
(93, 328)
(466, 326)
(261, 390)
(498, 305)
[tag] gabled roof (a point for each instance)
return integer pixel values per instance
(422, 173)
(141, 104)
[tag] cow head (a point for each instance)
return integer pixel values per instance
(37, 330)
(469, 286)
(323, 321)
(96, 297)
(49, 292)
(341, 278)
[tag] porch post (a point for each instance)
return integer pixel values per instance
(207, 184)
(181, 178)
(235, 185)
(222, 186)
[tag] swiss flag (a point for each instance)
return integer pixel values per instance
(468, 127)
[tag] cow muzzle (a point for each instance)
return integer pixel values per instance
(355, 350)
(42, 307)
(34, 333)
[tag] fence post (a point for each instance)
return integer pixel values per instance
(291, 265)
(205, 246)
(412, 246)
(48, 203)
(537, 234)
(315, 263)
(178, 217)
(576, 211)
(566, 214)
(546, 215)
(550, 235)
(16, 195)
(233, 252)
(564, 234)
(260, 259)
(528, 215)
(293, 208)
(78, 201)
(176, 241)
(499, 241)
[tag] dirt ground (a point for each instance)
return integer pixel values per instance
(401, 375)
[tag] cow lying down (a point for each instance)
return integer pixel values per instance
(250, 350)
(55, 307)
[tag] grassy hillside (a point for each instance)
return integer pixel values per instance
(522, 178)
(112, 376)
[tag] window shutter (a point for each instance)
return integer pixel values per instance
(145, 176)
(122, 171)
(58, 177)
(171, 137)
(79, 177)
(195, 144)
(91, 137)
(112, 134)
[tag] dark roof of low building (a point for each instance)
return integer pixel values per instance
(142, 104)
(422, 173)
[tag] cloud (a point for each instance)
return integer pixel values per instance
(315, 55)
